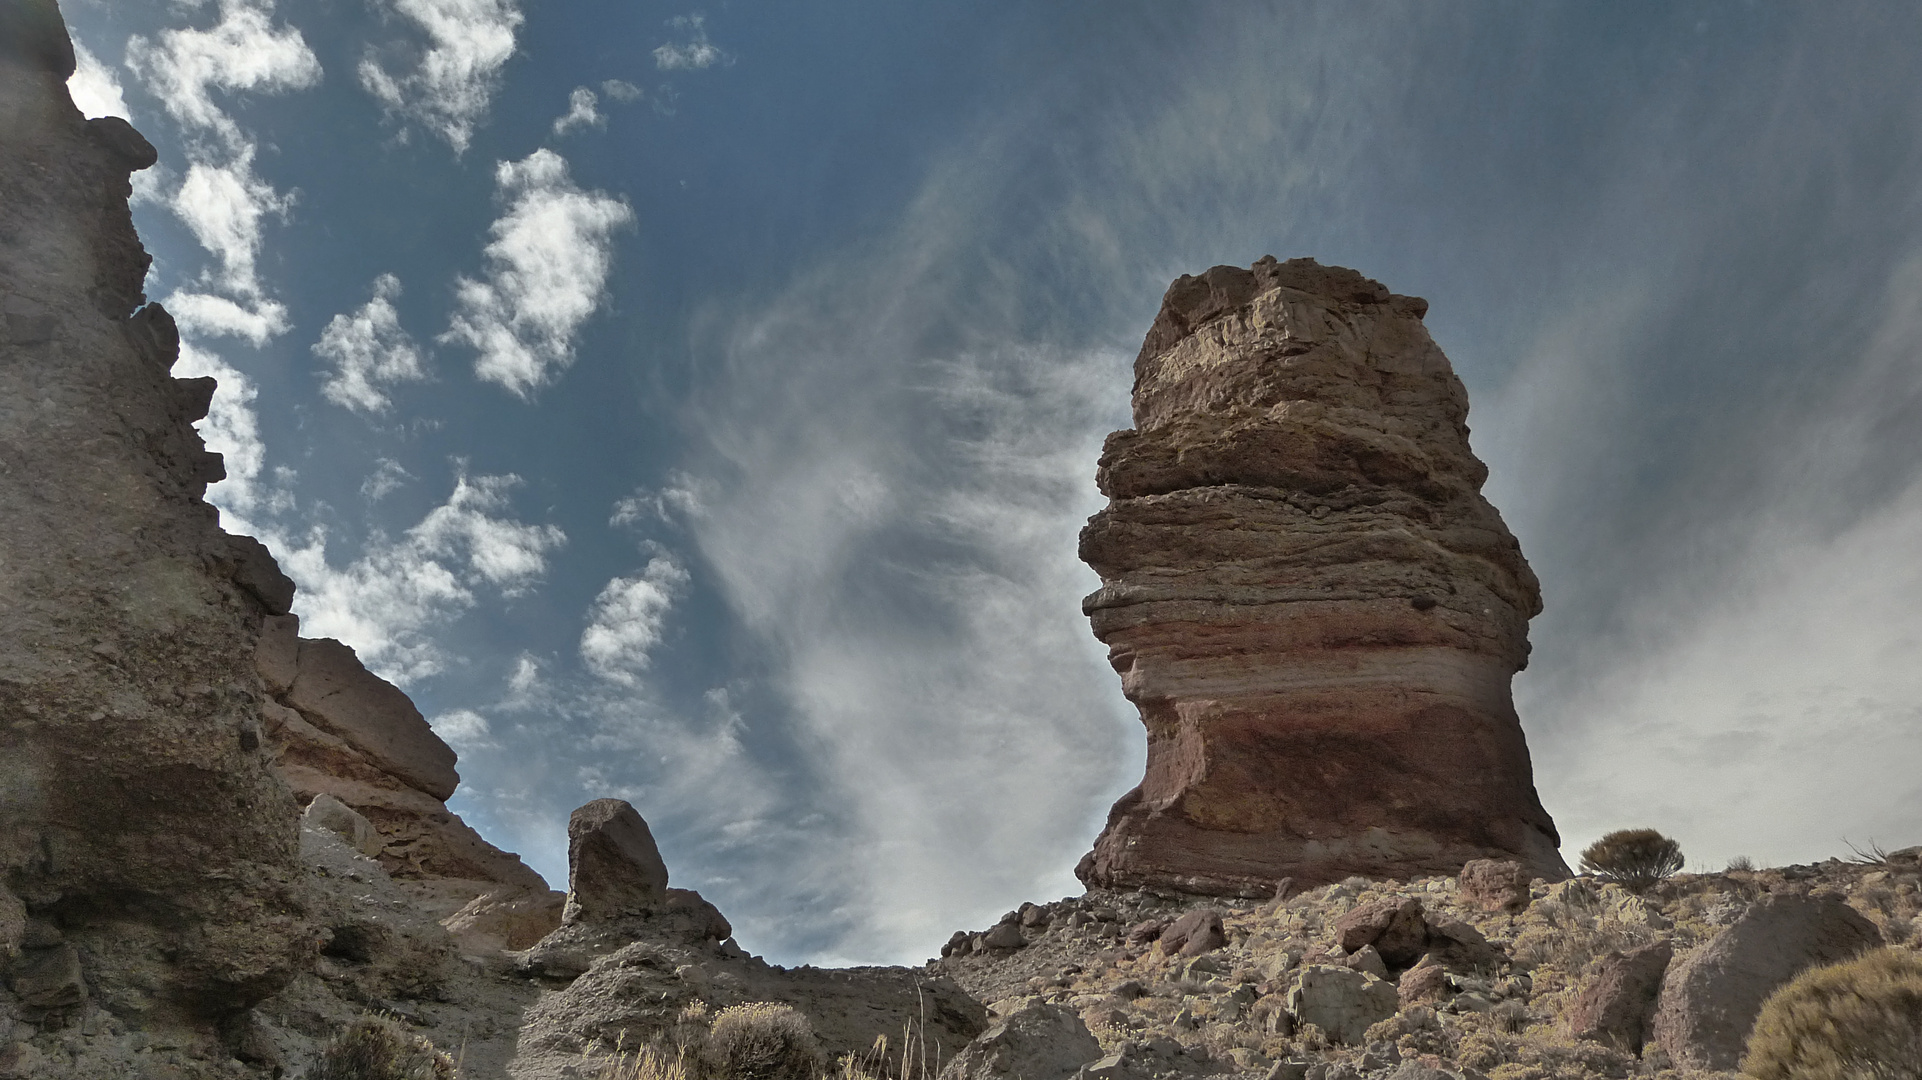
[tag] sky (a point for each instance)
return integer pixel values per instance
(698, 406)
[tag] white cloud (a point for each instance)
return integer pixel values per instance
(217, 316)
(620, 90)
(244, 51)
(369, 351)
(547, 270)
(387, 478)
(465, 730)
(691, 54)
(387, 602)
(454, 77)
(627, 619)
(224, 207)
(680, 497)
(94, 86)
(581, 112)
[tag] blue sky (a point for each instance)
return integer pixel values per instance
(699, 405)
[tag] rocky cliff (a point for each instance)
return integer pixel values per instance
(148, 853)
(1308, 599)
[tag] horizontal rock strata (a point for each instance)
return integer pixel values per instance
(1307, 598)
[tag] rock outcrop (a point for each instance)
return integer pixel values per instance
(337, 730)
(1307, 598)
(143, 833)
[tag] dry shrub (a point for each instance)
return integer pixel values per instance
(651, 1063)
(1859, 1020)
(372, 1048)
(1635, 858)
(761, 1041)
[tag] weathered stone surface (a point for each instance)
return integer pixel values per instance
(1616, 1006)
(1396, 928)
(1307, 598)
(1422, 984)
(1709, 1000)
(341, 697)
(1036, 1042)
(327, 812)
(277, 652)
(613, 867)
(1494, 885)
(1341, 1002)
(507, 919)
(1194, 933)
(141, 816)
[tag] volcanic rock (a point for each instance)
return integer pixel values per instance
(1307, 598)
(1194, 933)
(1395, 928)
(1494, 885)
(141, 817)
(1616, 1006)
(1037, 1042)
(1709, 1001)
(613, 867)
(1341, 1002)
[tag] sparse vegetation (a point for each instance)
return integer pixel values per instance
(761, 1041)
(1633, 858)
(373, 1048)
(1741, 864)
(651, 1063)
(1860, 1020)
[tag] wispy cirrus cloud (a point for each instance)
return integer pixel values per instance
(547, 270)
(447, 82)
(694, 51)
(369, 351)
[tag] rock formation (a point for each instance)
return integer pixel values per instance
(1307, 598)
(144, 837)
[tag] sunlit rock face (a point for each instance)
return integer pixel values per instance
(1308, 599)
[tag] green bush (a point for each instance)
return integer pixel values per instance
(375, 1049)
(1859, 1020)
(1633, 858)
(761, 1041)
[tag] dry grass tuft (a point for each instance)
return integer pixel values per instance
(373, 1048)
(1860, 1020)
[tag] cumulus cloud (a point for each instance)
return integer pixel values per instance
(627, 619)
(693, 52)
(224, 206)
(620, 90)
(95, 87)
(446, 84)
(243, 51)
(582, 111)
(465, 730)
(547, 271)
(369, 351)
(387, 478)
(256, 322)
(388, 601)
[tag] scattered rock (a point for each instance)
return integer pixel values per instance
(1709, 1001)
(1425, 983)
(327, 812)
(47, 980)
(505, 920)
(1005, 935)
(613, 867)
(1194, 933)
(1035, 1042)
(1368, 960)
(1494, 885)
(1343, 1003)
(1395, 928)
(1617, 1005)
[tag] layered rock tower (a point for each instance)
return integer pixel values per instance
(1307, 598)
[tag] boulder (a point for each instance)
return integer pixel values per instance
(613, 867)
(506, 920)
(1616, 1005)
(340, 696)
(1035, 1042)
(1494, 885)
(1005, 935)
(1423, 984)
(1194, 933)
(1710, 999)
(1368, 960)
(1308, 599)
(1395, 927)
(1341, 1002)
(47, 980)
(327, 812)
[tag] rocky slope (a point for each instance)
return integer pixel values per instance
(1307, 598)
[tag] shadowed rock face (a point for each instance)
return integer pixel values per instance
(142, 829)
(1307, 598)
